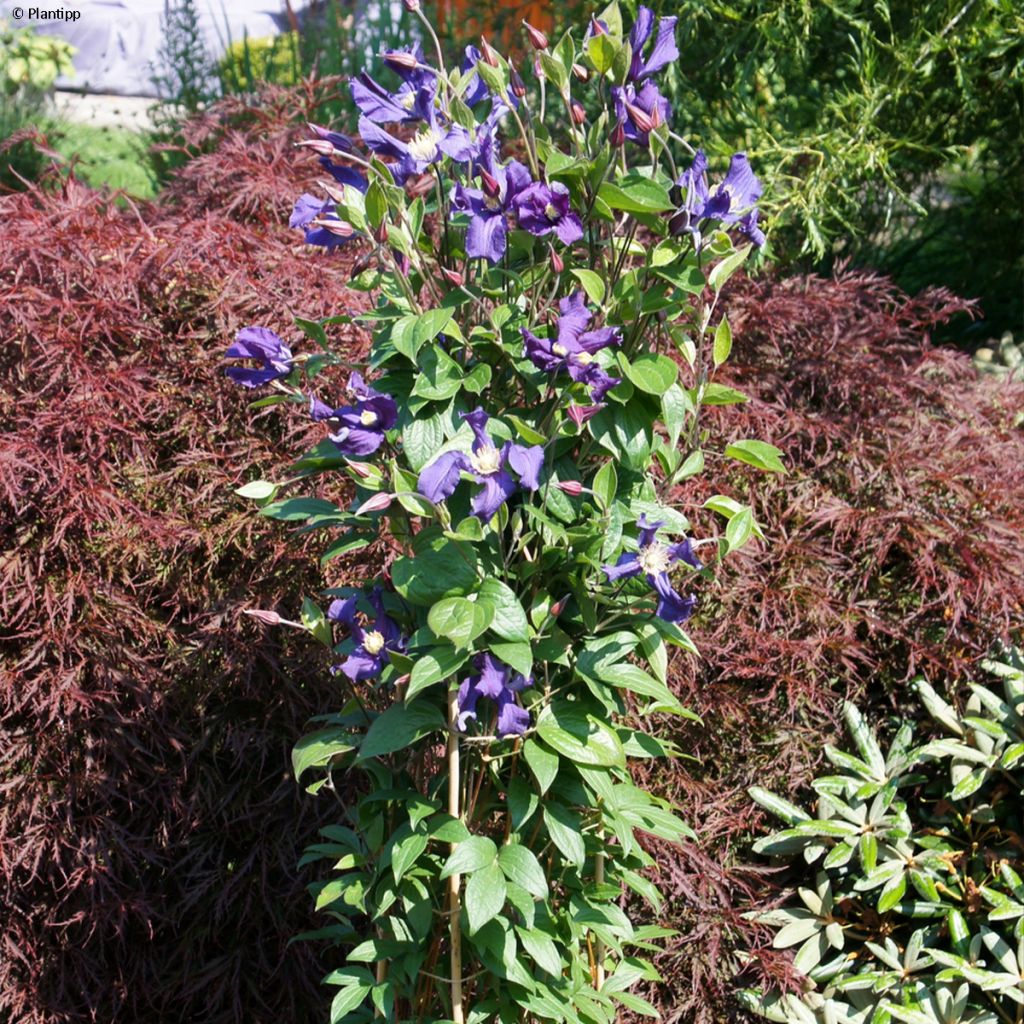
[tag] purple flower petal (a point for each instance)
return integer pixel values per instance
(627, 566)
(512, 719)
(497, 489)
(439, 480)
(477, 420)
(527, 463)
(493, 676)
(671, 607)
(683, 552)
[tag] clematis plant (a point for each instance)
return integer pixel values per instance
(546, 257)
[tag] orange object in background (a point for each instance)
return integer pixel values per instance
(499, 20)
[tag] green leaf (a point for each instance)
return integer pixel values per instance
(722, 271)
(635, 195)
(602, 50)
(439, 568)
(376, 204)
(542, 949)
(592, 283)
(294, 509)
(739, 529)
(422, 439)
(320, 748)
(398, 727)
(542, 762)
(439, 376)
(579, 736)
(781, 808)
(460, 620)
(471, 855)
(652, 373)
(433, 666)
(523, 868)
(485, 896)
(509, 620)
(606, 485)
(519, 656)
(258, 490)
(406, 852)
(626, 433)
(566, 832)
(348, 999)
(723, 341)
(759, 454)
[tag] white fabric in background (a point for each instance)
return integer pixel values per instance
(119, 41)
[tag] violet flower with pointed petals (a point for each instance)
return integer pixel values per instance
(488, 465)
(309, 209)
(499, 683)
(264, 345)
(664, 50)
(572, 348)
(409, 102)
(370, 656)
(734, 201)
(641, 110)
(358, 429)
(542, 209)
(654, 560)
(486, 234)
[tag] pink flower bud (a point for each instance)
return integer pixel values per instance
(517, 84)
(401, 59)
(453, 277)
(579, 115)
(557, 608)
(579, 414)
(319, 146)
(538, 40)
(380, 233)
(333, 192)
(492, 187)
(641, 118)
(336, 227)
(571, 487)
(359, 469)
(268, 618)
(412, 6)
(557, 263)
(360, 265)
(376, 503)
(488, 53)
(618, 136)
(596, 28)
(582, 73)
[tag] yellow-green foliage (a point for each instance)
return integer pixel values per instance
(32, 61)
(267, 59)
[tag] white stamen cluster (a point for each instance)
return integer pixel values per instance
(368, 418)
(654, 559)
(550, 212)
(559, 350)
(486, 460)
(424, 144)
(373, 642)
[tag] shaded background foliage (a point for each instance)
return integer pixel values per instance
(149, 830)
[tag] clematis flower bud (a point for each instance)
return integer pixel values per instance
(618, 135)
(557, 263)
(645, 122)
(538, 40)
(492, 187)
(334, 193)
(319, 146)
(268, 618)
(453, 277)
(359, 469)
(487, 53)
(412, 6)
(377, 503)
(582, 73)
(557, 608)
(380, 233)
(516, 84)
(579, 115)
(579, 414)
(401, 59)
(336, 227)
(360, 265)
(597, 28)
(571, 487)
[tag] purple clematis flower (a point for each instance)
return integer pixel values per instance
(654, 559)
(664, 50)
(573, 347)
(264, 345)
(734, 201)
(487, 207)
(370, 656)
(434, 139)
(419, 86)
(499, 683)
(488, 465)
(640, 111)
(358, 429)
(321, 223)
(542, 209)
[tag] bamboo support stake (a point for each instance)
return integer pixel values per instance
(454, 881)
(599, 946)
